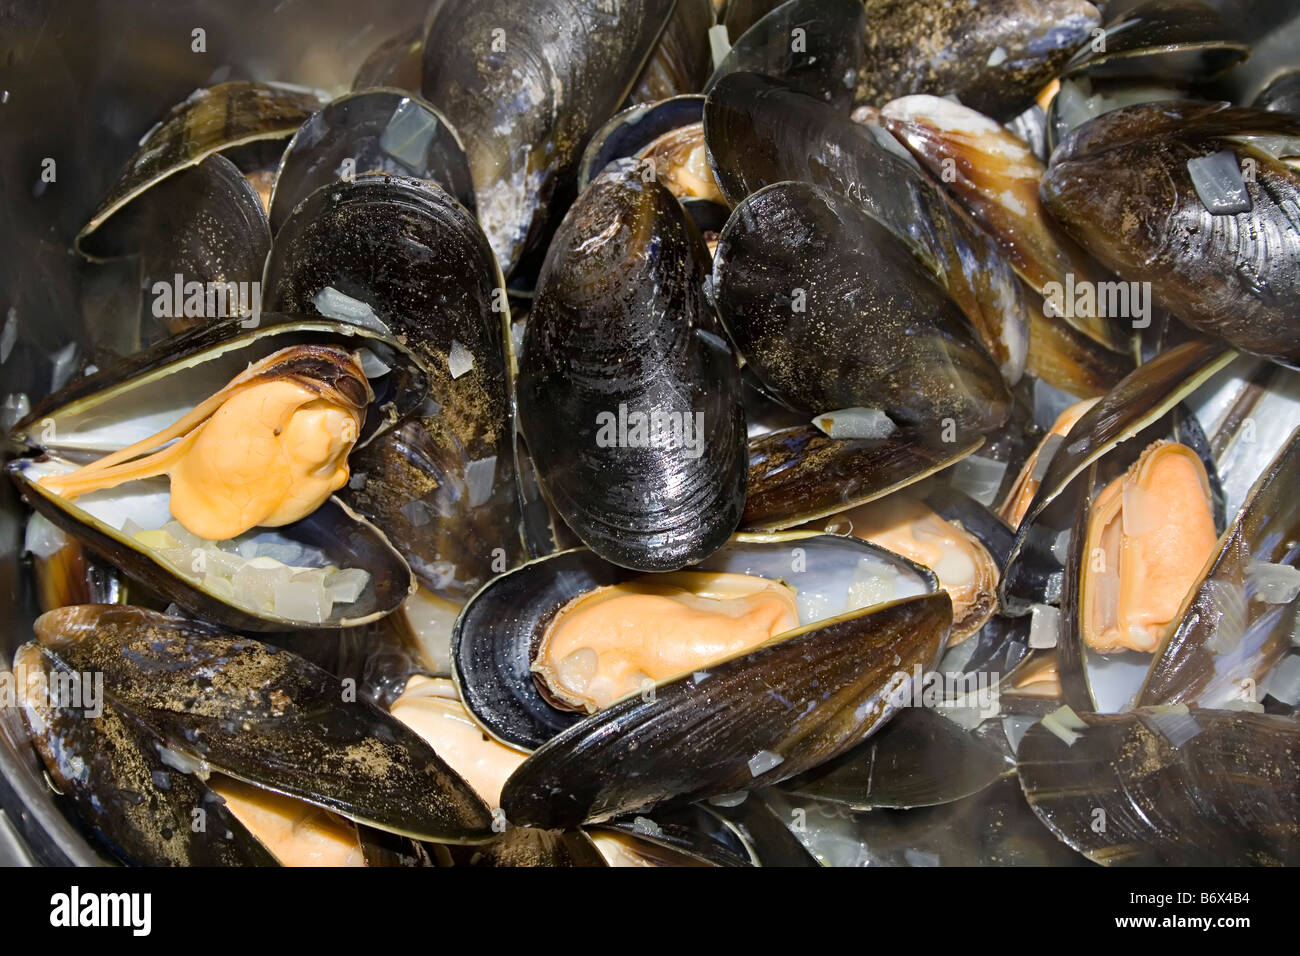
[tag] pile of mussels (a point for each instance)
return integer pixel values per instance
(685, 433)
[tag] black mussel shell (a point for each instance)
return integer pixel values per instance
(571, 65)
(265, 716)
(210, 120)
(800, 272)
(111, 769)
(1122, 188)
(629, 394)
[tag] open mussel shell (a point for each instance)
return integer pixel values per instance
(111, 410)
(746, 722)
(499, 632)
(1231, 632)
(996, 178)
(816, 46)
(1137, 403)
(994, 56)
(128, 401)
(681, 60)
(629, 394)
(1205, 787)
(572, 66)
(378, 131)
(760, 132)
(211, 120)
(633, 129)
(347, 540)
(1220, 252)
(267, 717)
(800, 474)
(800, 272)
(1162, 39)
(919, 759)
(403, 256)
(1107, 681)
(111, 770)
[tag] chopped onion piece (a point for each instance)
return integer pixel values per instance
(979, 477)
(479, 477)
(1284, 682)
(346, 586)
(408, 135)
(1065, 724)
(371, 364)
(1044, 626)
(1175, 723)
(763, 761)
(1274, 583)
(856, 423)
(459, 359)
(302, 602)
(333, 304)
(719, 44)
(1015, 727)
(1229, 602)
(1218, 182)
(44, 539)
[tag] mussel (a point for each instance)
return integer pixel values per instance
(220, 119)
(992, 56)
(577, 604)
(1194, 205)
(183, 700)
(402, 256)
(245, 462)
(628, 390)
(1171, 787)
(375, 130)
(816, 46)
(800, 271)
(741, 723)
(1236, 622)
(761, 132)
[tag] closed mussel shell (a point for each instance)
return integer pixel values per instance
(629, 395)
(268, 717)
(800, 272)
